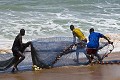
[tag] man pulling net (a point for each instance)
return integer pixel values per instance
(93, 45)
(18, 49)
(81, 41)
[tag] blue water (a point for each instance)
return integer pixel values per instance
(44, 18)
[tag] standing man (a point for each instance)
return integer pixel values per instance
(77, 33)
(18, 49)
(93, 44)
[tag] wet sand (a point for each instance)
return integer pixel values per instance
(94, 72)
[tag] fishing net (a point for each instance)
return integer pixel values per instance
(7, 60)
(47, 52)
(44, 51)
(59, 51)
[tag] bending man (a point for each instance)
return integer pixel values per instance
(93, 44)
(77, 33)
(18, 49)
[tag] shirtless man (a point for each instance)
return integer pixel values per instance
(18, 49)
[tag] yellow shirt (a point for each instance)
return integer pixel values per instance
(79, 34)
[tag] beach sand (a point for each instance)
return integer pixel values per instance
(90, 72)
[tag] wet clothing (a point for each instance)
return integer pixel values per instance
(17, 45)
(79, 34)
(81, 40)
(94, 40)
(91, 53)
(18, 49)
(93, 45)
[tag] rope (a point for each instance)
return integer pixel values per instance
(69, 50)
(108, 62)
(65, 51)
(106, 54)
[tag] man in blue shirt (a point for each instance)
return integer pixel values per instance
(93, 44)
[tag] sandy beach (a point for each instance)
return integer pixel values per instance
(94, 72)
(97, 72)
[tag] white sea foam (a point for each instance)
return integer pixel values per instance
(46, 18)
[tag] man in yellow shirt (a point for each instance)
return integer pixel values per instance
(77, 33)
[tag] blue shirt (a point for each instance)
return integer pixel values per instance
(94, 40)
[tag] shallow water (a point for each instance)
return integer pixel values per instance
(88, 72)
(96, 72)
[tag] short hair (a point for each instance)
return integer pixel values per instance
(71, 27)
(22, 31)
(91, 30)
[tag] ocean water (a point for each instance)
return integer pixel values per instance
(46, 18)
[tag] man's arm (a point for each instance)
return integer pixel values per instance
(107, 39)
(74, 38)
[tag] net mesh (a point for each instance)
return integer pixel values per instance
(46, 52)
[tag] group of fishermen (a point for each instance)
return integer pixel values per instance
(92, 45)
(78, 37)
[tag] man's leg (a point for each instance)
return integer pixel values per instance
(81, 47)
(99, 57)
(15, 60)
(22, 57)
(78, 50)
(77, 55)
(84, 49)
(18, 58)
(90, 53)
(86, 53)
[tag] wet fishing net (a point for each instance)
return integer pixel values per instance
(48, 52)
(7, 59)
(60, 51)
(43, 53)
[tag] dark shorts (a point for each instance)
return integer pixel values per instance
(91, 51)
(15, 52)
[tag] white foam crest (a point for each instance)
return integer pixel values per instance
(65, 16)
(103, 22)
(30, 21)
(107, 22)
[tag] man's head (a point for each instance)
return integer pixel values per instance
(22, 32)
(71, 27)
(91, 30)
